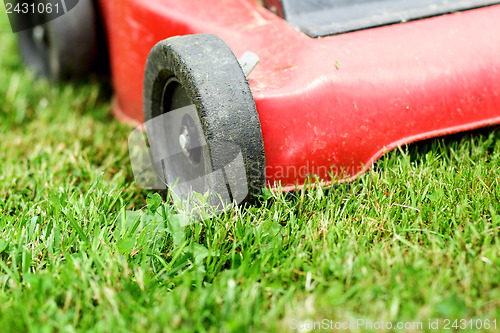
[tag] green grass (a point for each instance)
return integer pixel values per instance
(414, 239)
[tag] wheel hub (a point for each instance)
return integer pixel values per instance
(39, 35)
(185, 141)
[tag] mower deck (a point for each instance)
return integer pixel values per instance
(333, 104)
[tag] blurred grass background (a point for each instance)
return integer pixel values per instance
(83, 249)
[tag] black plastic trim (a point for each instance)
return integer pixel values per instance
(320, 18)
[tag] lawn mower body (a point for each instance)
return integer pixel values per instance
(327, 106)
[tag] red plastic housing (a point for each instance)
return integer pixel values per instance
(328, 104)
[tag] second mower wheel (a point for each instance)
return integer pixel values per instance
(65, 47)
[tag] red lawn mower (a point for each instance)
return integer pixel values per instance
(339, 82)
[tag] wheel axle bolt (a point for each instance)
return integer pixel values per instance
(38, 34)
(183, 140)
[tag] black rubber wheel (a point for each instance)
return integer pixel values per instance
(63, 48)
(201, 70)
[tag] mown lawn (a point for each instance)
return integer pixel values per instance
(83, 249)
